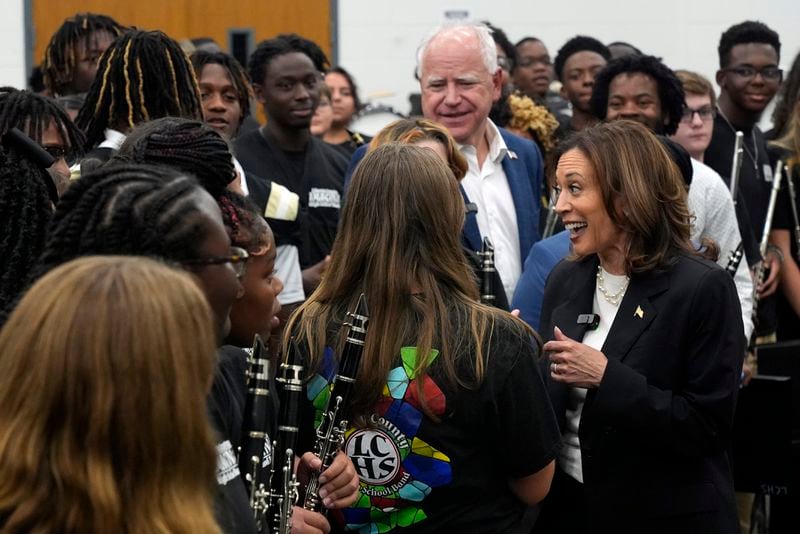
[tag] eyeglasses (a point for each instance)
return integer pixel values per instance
(706, 113)
(57, 151)
(744, 72)
(237, 259)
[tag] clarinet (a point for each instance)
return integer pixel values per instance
(487, 272)
(283, 482)
(330, 433)
(773, 197)
(734, 259)
(253, 455)
(792, 201)
(736, 164)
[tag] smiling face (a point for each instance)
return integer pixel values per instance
(255, 313)
(580, 206)
(578, 75)
(457, 88)
(755, 94)
(634, 96)
(220, 99)
(289, 91)
(694, 133)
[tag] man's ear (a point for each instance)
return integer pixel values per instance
(497, 84)
(721, 77)
(258, 92)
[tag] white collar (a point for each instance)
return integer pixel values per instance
(114, 139)
(497, 145)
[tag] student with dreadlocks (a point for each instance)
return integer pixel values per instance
(144, 75)
(25, 212)
(225, 97)
(286, 74)
(46, 123)
(71, 57)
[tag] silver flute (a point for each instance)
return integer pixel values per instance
(773, 197)
(736, 164)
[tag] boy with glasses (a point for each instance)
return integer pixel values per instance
(749, 77)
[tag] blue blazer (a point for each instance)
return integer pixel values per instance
(524, 172)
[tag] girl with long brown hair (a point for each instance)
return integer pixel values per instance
(103, 426)
(448, 404)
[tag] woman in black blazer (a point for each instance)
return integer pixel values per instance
(645, 346)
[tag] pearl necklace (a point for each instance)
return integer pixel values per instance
(613, 298)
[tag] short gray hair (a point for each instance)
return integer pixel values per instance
(478, 29)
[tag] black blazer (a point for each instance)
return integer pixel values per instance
(654, 434)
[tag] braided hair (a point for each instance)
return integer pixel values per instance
(285, 43)
(186, 145)
(143, 75)
(60, 56)
(670, 88)
(25, 212)
(236, 72)
(138, 210)
(33, 114)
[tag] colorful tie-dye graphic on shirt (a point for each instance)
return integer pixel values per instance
(397, 469)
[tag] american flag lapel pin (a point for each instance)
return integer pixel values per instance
(512, 154)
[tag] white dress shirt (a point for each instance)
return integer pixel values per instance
(487, 187)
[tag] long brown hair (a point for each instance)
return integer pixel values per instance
(399, 243)
(104, 368)
(643, 191)
(790, 140)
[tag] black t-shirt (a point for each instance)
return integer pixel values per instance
(755, 179)
(225, 406)
(418, 475)
(316, 175)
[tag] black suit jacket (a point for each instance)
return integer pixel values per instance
(654, 434)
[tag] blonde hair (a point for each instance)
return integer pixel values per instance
(399, 243)
(411, 131)
(104, 369)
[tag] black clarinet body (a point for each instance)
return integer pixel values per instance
(283, 482)
(734, 259)
(253, 461)
(487, 272)
(330, 433)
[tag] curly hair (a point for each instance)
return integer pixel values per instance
(670, 89)
(236, 72)
(748, 31)
(788, 98)
(285, 43)
(143, 75)
(60, 57)
(580, 43)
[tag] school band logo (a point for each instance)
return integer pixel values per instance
(397, 469)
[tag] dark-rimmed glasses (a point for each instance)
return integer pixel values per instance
(237, 259)
(706, 113)
(745, 72)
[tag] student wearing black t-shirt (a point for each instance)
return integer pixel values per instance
(286, 75)
(748, 77)
(450, 428)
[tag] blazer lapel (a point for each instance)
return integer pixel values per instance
(578, 301)
(636, 312)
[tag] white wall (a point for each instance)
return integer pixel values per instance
(378, 38)
(12, 44)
